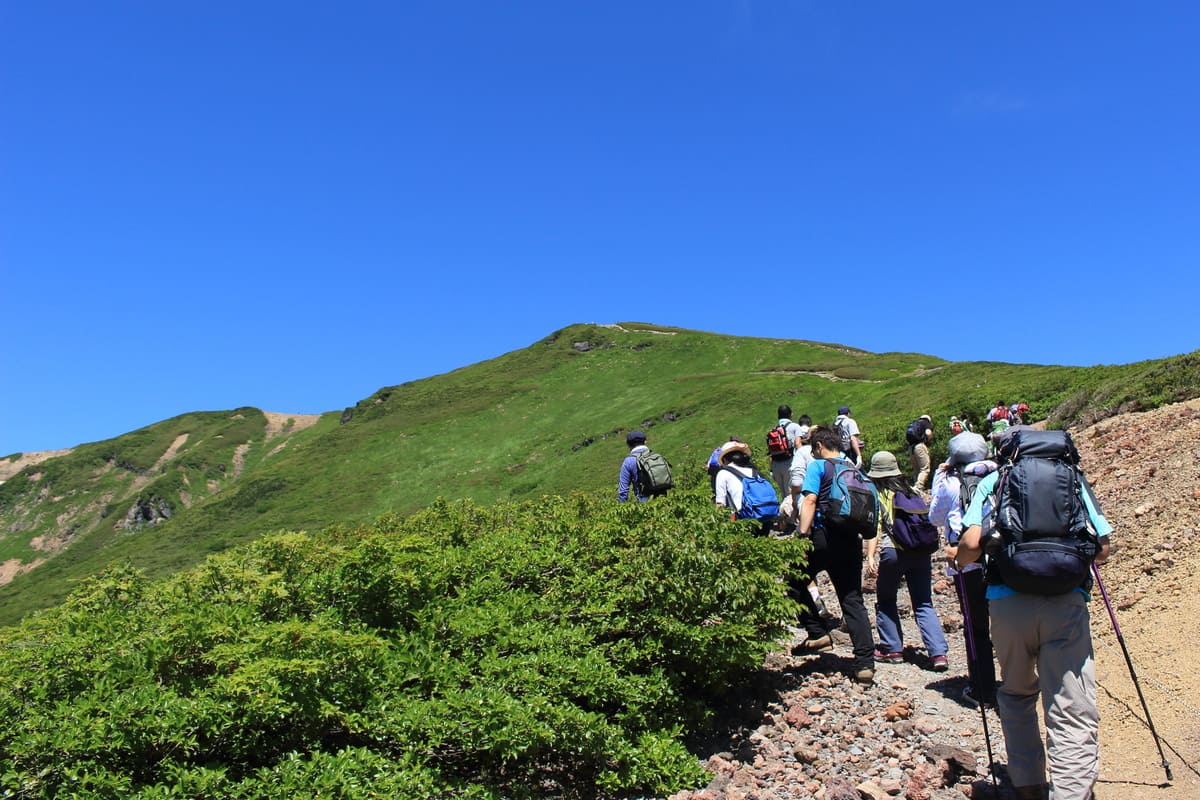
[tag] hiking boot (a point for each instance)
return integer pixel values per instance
(889, 658)
(811, 645)
(865, 676)
(940, 664)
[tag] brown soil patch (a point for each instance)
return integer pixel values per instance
(8, 467)
(279, 423)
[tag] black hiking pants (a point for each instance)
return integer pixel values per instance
(842, 559)
(981, 664)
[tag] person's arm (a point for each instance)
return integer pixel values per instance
(872, 548)
(808, 513)
(624, 482)
(722, 489)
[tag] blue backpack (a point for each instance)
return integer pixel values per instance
(848, 501)
(759, 500)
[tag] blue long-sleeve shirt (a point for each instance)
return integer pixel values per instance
(628, 477)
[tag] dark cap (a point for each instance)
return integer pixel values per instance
(634, 437)
(844, 410)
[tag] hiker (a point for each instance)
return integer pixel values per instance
(836, 552)
(785, 523)
(714, 465)
(999, 412)
(730, 488)
(1018, 413)
(954, 483)
(849, 436)
(919, 435)
(782, 441)
(800, 461)
(888, 563)
(958, 426)
(645, 472)
(1043, 640)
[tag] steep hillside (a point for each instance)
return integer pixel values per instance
(547, 419)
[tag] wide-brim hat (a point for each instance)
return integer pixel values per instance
(732, 447)
(883, 465)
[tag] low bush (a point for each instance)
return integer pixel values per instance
(554, 647)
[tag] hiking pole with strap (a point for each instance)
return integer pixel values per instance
(1166, 765)
(960, 587)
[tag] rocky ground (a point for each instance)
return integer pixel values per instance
(807, 731)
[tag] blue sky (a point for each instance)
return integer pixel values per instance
(289, 205)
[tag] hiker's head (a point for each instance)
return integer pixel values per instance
(967, 448)
(804, 421)
(785, 411)
(884, 465)
(635, 438)
(844, 410)
(826, 442)
(733, 452)
(956, 426)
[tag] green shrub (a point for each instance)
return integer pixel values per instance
(559, 646)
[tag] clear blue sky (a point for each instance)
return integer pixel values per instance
(290, 205)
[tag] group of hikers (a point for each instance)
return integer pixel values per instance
(1016, 523)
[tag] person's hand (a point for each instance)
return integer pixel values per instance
(1105, 551)
(873, 566)
(951, 552)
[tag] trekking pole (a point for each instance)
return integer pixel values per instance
(960, 587)
(1166, 765)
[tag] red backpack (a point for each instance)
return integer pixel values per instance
(779, 444)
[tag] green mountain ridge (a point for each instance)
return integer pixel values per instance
(548, 419)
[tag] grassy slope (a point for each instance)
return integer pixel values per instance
(543, 420)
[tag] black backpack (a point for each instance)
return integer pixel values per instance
(914, 434)
(967, 484)
(1046, 544)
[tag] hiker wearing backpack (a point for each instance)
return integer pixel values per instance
(954, 484)
(902, 551)
(714, 465)
(1045, 531)
(919, 434)
(839, 506)
(742, 489)
(849, 437)
(782, 441)
(643, 471)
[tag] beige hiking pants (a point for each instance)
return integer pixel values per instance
(1044, 646)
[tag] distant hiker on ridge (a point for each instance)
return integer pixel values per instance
(849, 436)
(782, 443)
(919, 434)
(645, 472)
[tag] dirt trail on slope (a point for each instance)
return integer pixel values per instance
(811, 733)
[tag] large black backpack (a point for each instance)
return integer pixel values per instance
(1046, 541)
